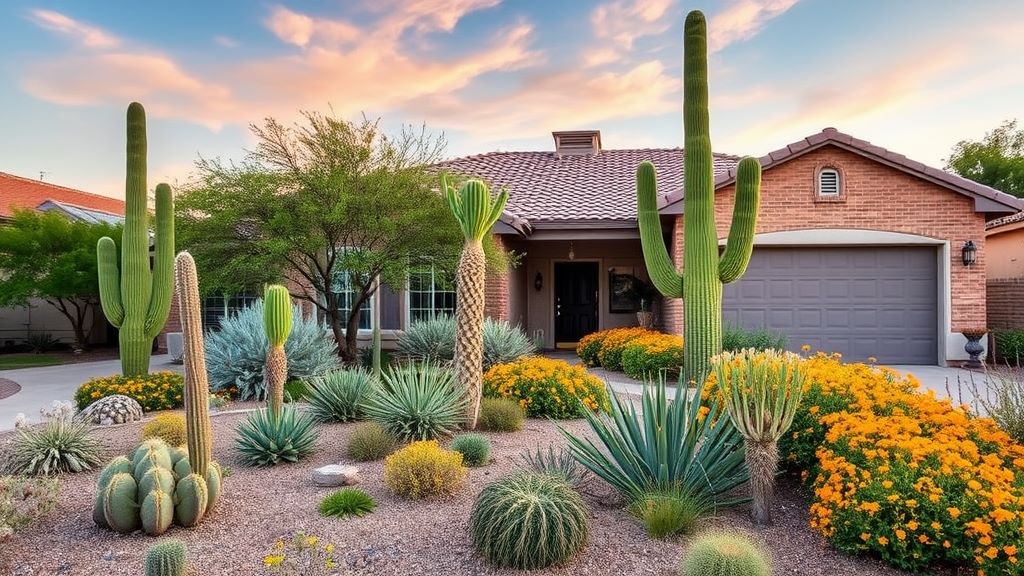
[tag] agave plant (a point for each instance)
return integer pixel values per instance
(418, 402)
(433, 339)
(59, 446)
(667, 446)
(762, 391)
(264, 440)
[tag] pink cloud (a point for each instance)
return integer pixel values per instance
(300, 29)
(742, 20)
(623, 21)
(85, 34)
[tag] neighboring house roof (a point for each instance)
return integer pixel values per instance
(81, 214)
(22, 193)
(1005, 221)
(987, 199)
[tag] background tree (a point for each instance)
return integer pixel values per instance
(48, 256)
(317, 202)
(997, 160)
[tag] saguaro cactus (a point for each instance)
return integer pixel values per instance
(704, 271)
(476, 213)
(135, 298)
(197, 387)
(277, 323)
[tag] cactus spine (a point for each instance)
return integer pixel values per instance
(197, 388)
(166, 558)
(136, 299)
(277, 323)
(704, 272)
(476, 212)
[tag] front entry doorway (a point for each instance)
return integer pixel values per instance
(576, 298)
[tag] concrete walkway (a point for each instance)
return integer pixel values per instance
(41, 386)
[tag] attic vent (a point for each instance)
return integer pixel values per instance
(828, 183)
(577, 143)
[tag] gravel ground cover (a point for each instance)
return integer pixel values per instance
(400, 537)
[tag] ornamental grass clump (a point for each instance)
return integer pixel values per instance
(762, 392)
(725, 554)
(547, 388)
(528, 521)
(370, 441)
(668, 512)
(61, 445)
(501, 415)
(347, 503)
(338, 396)
(558, 462)
(424, 470)
(170, 428)
(418, 402)
(475, 449)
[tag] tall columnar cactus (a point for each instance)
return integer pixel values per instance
(135, 298)
(704, 270)
(375, 359)
(197, 387)
(476, 212)
(277, 322)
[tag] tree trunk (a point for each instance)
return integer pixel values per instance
(276, 372)
(469, 336)
(762, 461)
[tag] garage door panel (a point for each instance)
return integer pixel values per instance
(859, 301)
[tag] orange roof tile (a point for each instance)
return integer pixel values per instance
(17, 192)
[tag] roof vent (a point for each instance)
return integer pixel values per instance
(828, 182)
(577, 143)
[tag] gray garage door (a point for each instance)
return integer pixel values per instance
(862, 302)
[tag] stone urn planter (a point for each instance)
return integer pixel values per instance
(645, 319)
(974, 348)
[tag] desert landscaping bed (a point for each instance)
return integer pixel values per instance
(400, 537)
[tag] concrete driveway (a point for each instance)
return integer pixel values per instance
(41, 386)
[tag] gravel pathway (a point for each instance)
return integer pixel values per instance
(401, 537)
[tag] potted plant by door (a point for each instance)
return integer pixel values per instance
(974, 348)
(645, 293)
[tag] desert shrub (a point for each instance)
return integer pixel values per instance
(370, 441)
(295, 390)
(614, 343)
(168, 557)
(347, 502)
(653, 354)
(668, 512)
(170, 428)
(528, 521)
(23, 500)
(58, 446)
(547, 388)
(417, 402)
(267, 441)
(423, 470)
(725, 554)
(1000, 396)
(433, 340)
(555, 462)
(475, 449)
(301, 554)
(338, 396)
(156, 391)
(500, 415)
(1009, 346)
(237, 352)
(736, 338)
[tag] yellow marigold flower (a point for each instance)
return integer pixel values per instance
(953, 512)
(1010, 550)
(883, 540)
(865, 536)
(901, 534)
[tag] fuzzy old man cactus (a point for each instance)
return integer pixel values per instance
(277, 323)
(135, 298)
(476, 212)
(704, 270)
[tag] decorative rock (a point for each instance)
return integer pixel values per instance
(336, 475)
(116, 409)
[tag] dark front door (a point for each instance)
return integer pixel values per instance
(575, 300)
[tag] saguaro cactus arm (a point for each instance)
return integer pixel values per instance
(660, 268)
(110, 281)
(744, 221)
(163, 263)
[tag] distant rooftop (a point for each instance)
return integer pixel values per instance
(24, 193)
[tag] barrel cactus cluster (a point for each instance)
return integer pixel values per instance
(158, 485)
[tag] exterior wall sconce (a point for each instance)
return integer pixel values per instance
(538, 282)
(969, 253)
(572, 253)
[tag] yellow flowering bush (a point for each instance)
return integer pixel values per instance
(301, 554)
(156, 391)
(651, 354)
(547, 388)
(423, 469)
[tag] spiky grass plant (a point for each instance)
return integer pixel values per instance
(668, 512)
(555, 462)
(501, 415)
(338, 396)
(418, 402)
(725, 554)
(264, 440)
(370, 441)
(61, 445)
(762, 391)
(528, 521)
(665, 445)
(475, 449)
(346, 503)
(168, 557)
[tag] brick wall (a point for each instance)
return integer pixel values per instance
(1006, 303)
(496, 291)
(874, 197)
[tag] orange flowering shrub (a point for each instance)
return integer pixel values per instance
(605, 348)
(156, 391)
(547, 388)
(652, 353)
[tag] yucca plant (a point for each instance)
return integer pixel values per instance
(347, 502)
(338, 396)
(418, 402)
(264, 440)
(666, 445)
(59, 446)
(762, 391)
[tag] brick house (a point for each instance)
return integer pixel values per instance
(1004, 269)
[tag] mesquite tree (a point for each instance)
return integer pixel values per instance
(476, 212)
(704, 271)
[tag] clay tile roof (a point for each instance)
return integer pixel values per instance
(18, 192)
(543, 187)
(1011, 219)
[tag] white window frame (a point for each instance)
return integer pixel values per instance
(433, 291)
(370, 302)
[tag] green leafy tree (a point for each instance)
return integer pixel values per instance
(48, 256)
(997, 160)
(318, 204)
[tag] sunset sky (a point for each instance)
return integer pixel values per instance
(914, 76)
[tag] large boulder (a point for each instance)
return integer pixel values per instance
(116, 409)
(336, 475)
